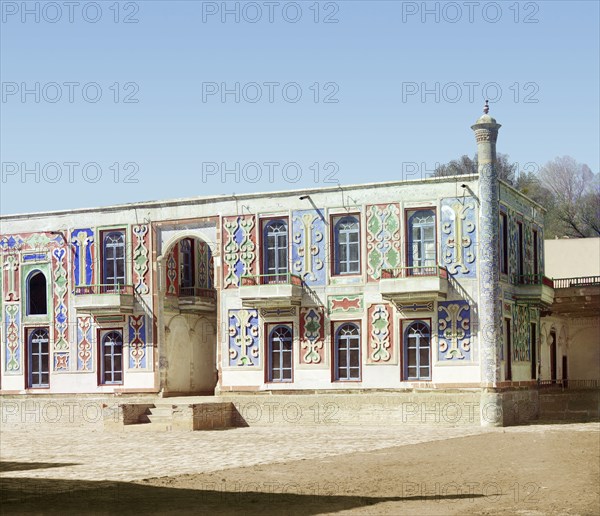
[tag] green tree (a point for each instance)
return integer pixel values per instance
(466, 166)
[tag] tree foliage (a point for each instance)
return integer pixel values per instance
(466, 166)
(576, 196)
(569, 191)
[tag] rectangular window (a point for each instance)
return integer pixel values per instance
(421, 253)
(113, 258)
(38, 357)
(275, 251)
(280, 342)
(503, 243)
(186, 265)
(346, 237)
(111, 357)
(346, 351)
(417, 351)
(508, 340)
(536, 257)
(533, 351)
(520, 253)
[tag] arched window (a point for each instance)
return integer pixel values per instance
(417, 351)
(113, 271)
(280, 353)
(421, 242)
(347, 245)
(186, 263)
(347, 352)
(38, 358)
(111, 348)
(276, 251)
(36, 294)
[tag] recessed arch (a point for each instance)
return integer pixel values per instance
(37, 293)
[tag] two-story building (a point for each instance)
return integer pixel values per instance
(432, 284)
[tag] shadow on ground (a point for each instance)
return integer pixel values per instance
(23, 466)
(52, 496)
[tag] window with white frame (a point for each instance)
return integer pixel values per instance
(275, 255)
(280, 354)
(421, 242)
(111, 350)
(113, 258)
(346, 236)
(347, 352)
(417, 351)
(38, 357)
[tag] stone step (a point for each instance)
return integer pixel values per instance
(148, 427)
(160, 418)
(165, 410)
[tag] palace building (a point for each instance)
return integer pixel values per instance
(434, 284)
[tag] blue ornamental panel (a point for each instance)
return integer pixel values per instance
(309, 253)
(244, 346)
(82, 241)
(454, 330)
(459, 236)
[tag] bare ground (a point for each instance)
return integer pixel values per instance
(517, 471)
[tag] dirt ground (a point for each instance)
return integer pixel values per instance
(502, 472)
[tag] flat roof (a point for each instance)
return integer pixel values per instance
(233, 197)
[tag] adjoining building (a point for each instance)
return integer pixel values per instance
(570, 332)
(435, 284)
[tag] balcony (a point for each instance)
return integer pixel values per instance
(196, 300)
(414, 284)
(534, 288)
(577, 296)
(104, 299)
(271, 290)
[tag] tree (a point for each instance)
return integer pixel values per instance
(467, 166)
(576, 196)
(569, 191)
(529, 184)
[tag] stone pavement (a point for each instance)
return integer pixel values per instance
(131, 456)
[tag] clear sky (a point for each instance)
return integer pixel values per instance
(113, 102)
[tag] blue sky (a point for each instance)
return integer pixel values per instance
(397, 81)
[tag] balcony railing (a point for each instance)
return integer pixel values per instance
(209, 293)
(569, 384)
(286, 278)
(583, 281)
(410, 272)
(104, 289)
(532, 279)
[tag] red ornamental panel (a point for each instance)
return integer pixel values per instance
(346, 304)
(173, 271)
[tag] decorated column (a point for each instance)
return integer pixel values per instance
(490, 318)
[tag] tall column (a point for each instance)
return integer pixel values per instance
(490, 316)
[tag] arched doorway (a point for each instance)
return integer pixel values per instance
(553, 356)
(189, 301)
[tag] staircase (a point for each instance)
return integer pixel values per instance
(160, 417)
(165, 416)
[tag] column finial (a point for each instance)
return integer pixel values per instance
(486, 108)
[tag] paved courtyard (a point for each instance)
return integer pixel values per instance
(139, 455)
